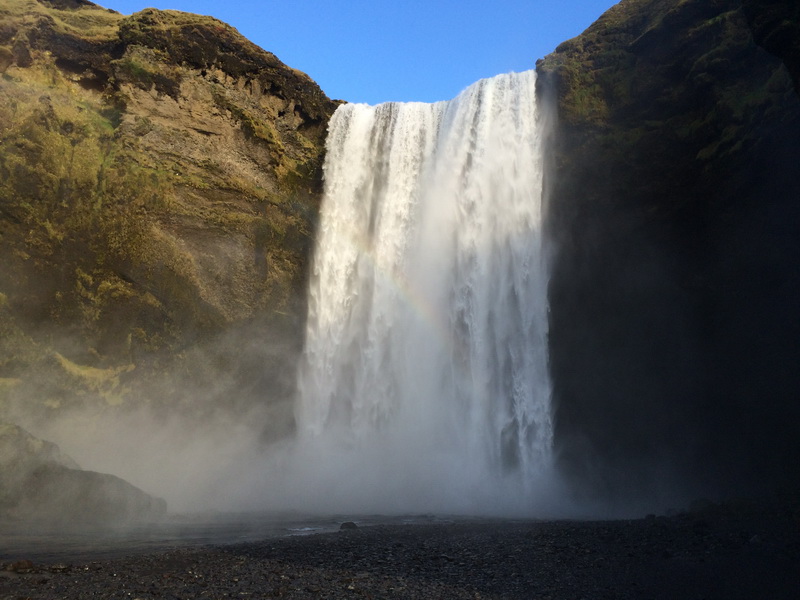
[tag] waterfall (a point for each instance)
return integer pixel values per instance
(424, 379)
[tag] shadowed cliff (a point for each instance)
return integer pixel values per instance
(675, 212)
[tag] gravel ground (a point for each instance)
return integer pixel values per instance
(729, 551)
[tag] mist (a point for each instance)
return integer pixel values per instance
(423, 384)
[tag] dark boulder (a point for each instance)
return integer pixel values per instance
(39, 483)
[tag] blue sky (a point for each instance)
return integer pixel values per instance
(415, 50)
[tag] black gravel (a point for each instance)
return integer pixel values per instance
(725, 552)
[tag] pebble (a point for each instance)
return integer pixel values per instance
(489, 559)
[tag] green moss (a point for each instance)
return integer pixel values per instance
(104, 221)
(103, 382)
(583, 96)
(147, 68)
(80, 196)
(195, 39)
(256, 127)
(92, 23)
(6, 58)
(7, 384)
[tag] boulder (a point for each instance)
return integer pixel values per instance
(40, 483)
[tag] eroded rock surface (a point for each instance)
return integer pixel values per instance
(159, 185)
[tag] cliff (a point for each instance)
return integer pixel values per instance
(159, 184)
(674, 206)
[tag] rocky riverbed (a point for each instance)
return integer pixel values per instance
(721, 551)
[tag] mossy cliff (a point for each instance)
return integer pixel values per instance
(674, 206)
(159, 181)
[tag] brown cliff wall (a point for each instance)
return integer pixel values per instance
(159, 184)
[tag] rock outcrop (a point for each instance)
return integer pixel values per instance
(38, 482)
(159, 184)
(675, 212)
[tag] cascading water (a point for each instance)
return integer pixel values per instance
(425, 382)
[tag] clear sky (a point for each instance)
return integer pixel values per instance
(409, 50)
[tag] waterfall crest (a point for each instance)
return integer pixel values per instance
(425, 365)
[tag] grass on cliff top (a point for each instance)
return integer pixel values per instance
(172, 20)
(87, 22)
(151, 26)
(197, 40)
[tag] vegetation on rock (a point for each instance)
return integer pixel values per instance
(159, 185)
(159, 181)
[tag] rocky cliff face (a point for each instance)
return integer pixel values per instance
(675, 212)
(159, 182)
